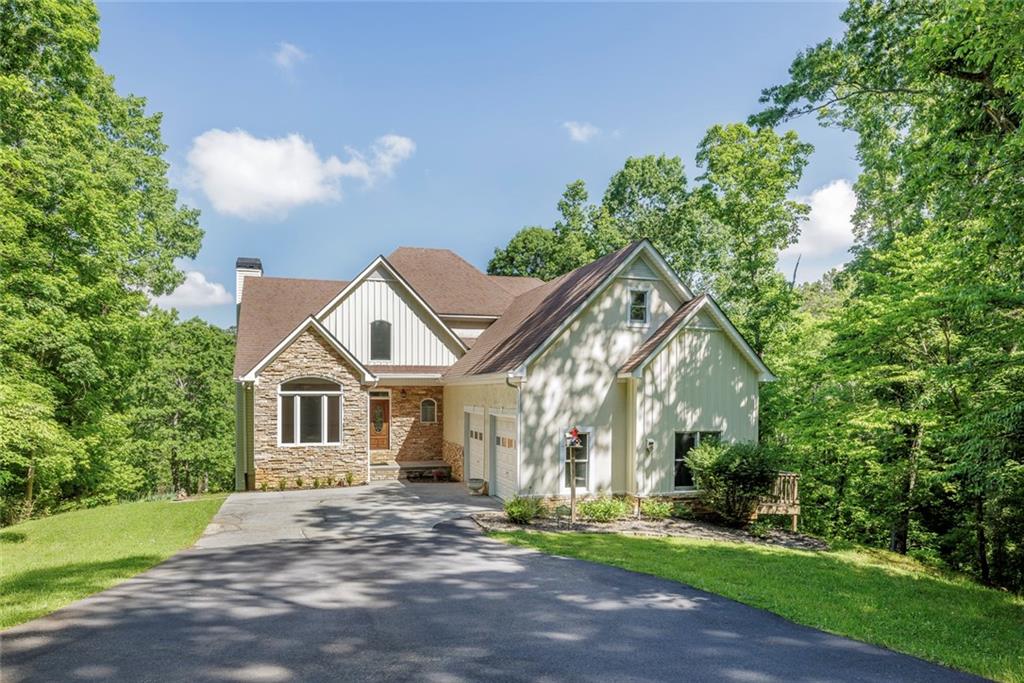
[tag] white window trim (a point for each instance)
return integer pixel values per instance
(647, 307)
(589, 431)
(294, 395)
(696, 442)
(428, 422)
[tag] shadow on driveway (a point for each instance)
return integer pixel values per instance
(446, 606)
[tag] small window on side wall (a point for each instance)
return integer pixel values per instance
(638, 306)
(428, 410)
(380, 340)
(685, 442)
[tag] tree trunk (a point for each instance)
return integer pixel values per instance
(901, 525)
(982, 542)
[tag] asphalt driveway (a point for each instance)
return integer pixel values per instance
(358, 586)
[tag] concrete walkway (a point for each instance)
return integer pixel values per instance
(308, 598)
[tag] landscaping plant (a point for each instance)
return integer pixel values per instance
(522, 510)
(652, 508)
(605, 509)
(733, 477)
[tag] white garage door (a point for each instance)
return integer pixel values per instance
(476, 446)
(506, 479)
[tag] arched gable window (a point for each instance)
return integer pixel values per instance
(380, 340)
(310, 411)
(428, 410)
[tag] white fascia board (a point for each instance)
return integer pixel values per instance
(467, 316)
(667, 272)
(488, 378)
(368, 377)
(380, 261)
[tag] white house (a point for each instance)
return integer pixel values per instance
(422, 361)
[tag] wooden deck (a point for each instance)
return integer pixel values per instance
(784, 498)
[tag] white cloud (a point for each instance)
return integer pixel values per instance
(253, 178)
(288, 55)
(581, 131)
(195, 292)
(827, 236)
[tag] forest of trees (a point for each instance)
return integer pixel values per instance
(102, 396)
(900, 397)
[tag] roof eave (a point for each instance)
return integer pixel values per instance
(309, 321)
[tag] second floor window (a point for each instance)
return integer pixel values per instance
(380, 340)
(638, 306)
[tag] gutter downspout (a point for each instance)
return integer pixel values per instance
(516, 379)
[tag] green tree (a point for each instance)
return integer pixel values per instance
(88, 224)
(748, 175)
(182, 414)
(929, 344)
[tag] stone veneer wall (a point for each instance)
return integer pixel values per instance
(309, 355)
(412, 440)
(452, 454)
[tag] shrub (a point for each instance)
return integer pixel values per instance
(522, 510)
(652, 508)
(733, 478)
(603, 509)
(282, 484)
(298, 482)
(316, 482)
(349, 478)
(264, 486)
(682, 511)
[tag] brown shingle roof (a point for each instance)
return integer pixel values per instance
(514, 284)
(271, 308)
(663, 332)
(450, 284)
(534, 316)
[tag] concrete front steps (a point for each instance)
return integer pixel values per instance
(412, 470)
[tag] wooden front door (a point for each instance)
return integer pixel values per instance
(380, 424)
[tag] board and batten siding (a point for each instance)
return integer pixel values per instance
(415, 338)
(488, 399)
(699, 382)
(575, 383)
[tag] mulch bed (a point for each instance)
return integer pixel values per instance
(497, 521)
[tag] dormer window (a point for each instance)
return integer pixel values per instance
(380, 340)
(638, 306)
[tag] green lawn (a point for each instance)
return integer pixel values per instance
(872, 596)
(48, 563)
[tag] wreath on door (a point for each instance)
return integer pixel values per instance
(378, 419)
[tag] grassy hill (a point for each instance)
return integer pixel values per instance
(48, 563)
(870, 595)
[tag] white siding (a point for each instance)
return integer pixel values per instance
(699, 382)
(468, 329)
(487, 398)
(574, 383)
(415, 339)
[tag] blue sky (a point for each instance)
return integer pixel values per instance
(316, 136)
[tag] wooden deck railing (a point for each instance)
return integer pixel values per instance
(784, 498)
